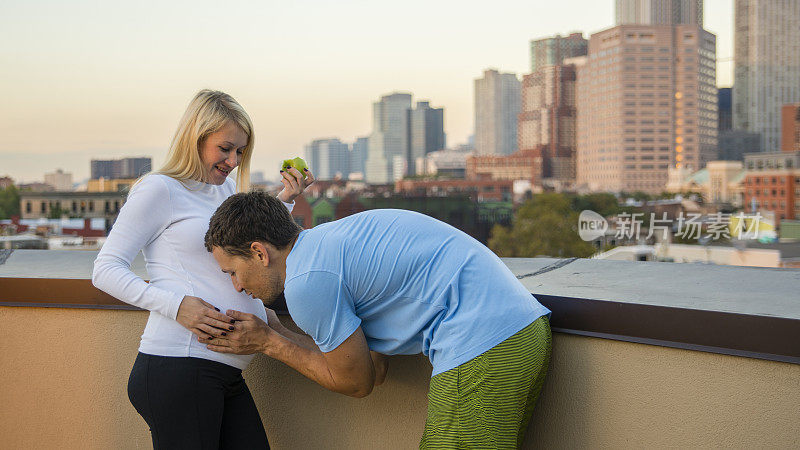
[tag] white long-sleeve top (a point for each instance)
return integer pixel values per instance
(167, 220)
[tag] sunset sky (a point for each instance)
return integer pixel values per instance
(102, 79)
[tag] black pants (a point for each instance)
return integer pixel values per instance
(193, 403)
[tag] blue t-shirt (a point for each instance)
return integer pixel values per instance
(414, 285)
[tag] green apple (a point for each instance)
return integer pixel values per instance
(298, 163)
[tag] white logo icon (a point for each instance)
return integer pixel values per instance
(591, 225)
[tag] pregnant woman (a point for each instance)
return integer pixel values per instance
(189, 396)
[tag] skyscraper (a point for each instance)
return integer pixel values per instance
(101, 168)
(767, 65)
(554, 50)
(328, 158)
(547, 121)
(725, 106)
(120, 168)
(388, 142)
(427, 135)
(358, 155)
(659, 12)
(647, 101)
(134, 167)
(733, 144)
(497, 103)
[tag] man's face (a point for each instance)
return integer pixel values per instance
(251, 275)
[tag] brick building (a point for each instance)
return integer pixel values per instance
(790, 127)
(546, 125)
(772, 184)
(517, 166)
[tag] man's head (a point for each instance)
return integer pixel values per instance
(250, 236)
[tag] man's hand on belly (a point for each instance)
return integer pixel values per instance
(250, 335)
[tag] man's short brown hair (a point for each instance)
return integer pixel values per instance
(249, 217)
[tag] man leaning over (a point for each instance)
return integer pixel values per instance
(389, 282)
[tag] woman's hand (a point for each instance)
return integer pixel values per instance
(294, 184)
(202, 318)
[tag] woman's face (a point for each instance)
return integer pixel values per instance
(221, 152)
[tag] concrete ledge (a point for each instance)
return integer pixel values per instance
(742, 311)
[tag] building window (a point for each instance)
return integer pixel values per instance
(28, 207)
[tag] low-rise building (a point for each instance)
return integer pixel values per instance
(36, 186)
(447, 163)
(38, 205)
(522, 165)
(772, 184)
(720, 182)
(481, 190)
(110, 184)
(60, 180)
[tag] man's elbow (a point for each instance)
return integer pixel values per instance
(357, 389)
(359, 392)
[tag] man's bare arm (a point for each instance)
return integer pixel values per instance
(381, 365)
(300, 339)
(348, 369)
(379, 360)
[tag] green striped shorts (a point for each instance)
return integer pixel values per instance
(487, 402)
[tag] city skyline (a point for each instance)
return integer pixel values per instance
(302, 71)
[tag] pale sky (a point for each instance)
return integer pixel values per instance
(102, 79)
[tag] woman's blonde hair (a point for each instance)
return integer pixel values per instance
(207, 113)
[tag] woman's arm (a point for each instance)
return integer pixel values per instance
(293, 185)
(144, 216)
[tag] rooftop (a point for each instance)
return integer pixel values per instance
(644, 354)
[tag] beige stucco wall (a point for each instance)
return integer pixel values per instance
(64, 375)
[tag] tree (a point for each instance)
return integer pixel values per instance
(602, 203)
(9, 202)
(56, 212)
(545, 225)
